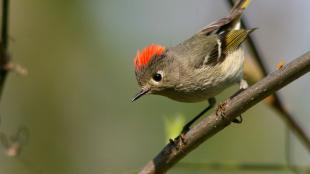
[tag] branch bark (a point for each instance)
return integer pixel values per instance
(226, 112)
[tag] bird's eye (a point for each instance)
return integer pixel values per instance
(157, 77)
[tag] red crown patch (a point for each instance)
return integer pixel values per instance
(142, 58)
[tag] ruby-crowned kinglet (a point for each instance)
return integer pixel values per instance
(200, 67)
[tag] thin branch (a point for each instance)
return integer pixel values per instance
(277, 103)
(4, 57)
(14, 144)
(5, 19)
(226, 112)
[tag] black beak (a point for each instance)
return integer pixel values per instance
(140, 94)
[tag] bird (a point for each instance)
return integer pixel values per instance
(199, 68)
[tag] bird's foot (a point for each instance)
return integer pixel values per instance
(220, 111)
(181, 137)
(180, 140)
(238, 120)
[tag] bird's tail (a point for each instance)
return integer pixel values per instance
(240, 6)
(236, 13)
(229, 22)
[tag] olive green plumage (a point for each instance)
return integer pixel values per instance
(202, 66)
(199, 68)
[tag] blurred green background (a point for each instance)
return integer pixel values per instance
(76, 99)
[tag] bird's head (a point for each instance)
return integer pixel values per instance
(153, 71)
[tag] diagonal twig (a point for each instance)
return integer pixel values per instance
(276, 103)
(14, 144)
(4, 57)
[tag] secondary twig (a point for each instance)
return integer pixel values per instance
(227, 112)
(4, 57)
(12, 144)
(276, 103)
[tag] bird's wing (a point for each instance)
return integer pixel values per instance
(211, 44)
(201, 50)
(227, 42)
(229, 22)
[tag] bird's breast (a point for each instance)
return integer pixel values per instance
(197, 85)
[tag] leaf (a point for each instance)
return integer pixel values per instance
(173, 126)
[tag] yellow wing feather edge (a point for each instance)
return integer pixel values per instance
(245, 4)
(234, 38)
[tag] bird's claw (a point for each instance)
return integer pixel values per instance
(182, 138)
(179, 140)
(185, 130)
(220, 111)
(238, 121)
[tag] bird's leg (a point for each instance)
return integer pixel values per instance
(243, 85)
(186, 128)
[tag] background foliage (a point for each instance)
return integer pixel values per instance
(76, 99)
